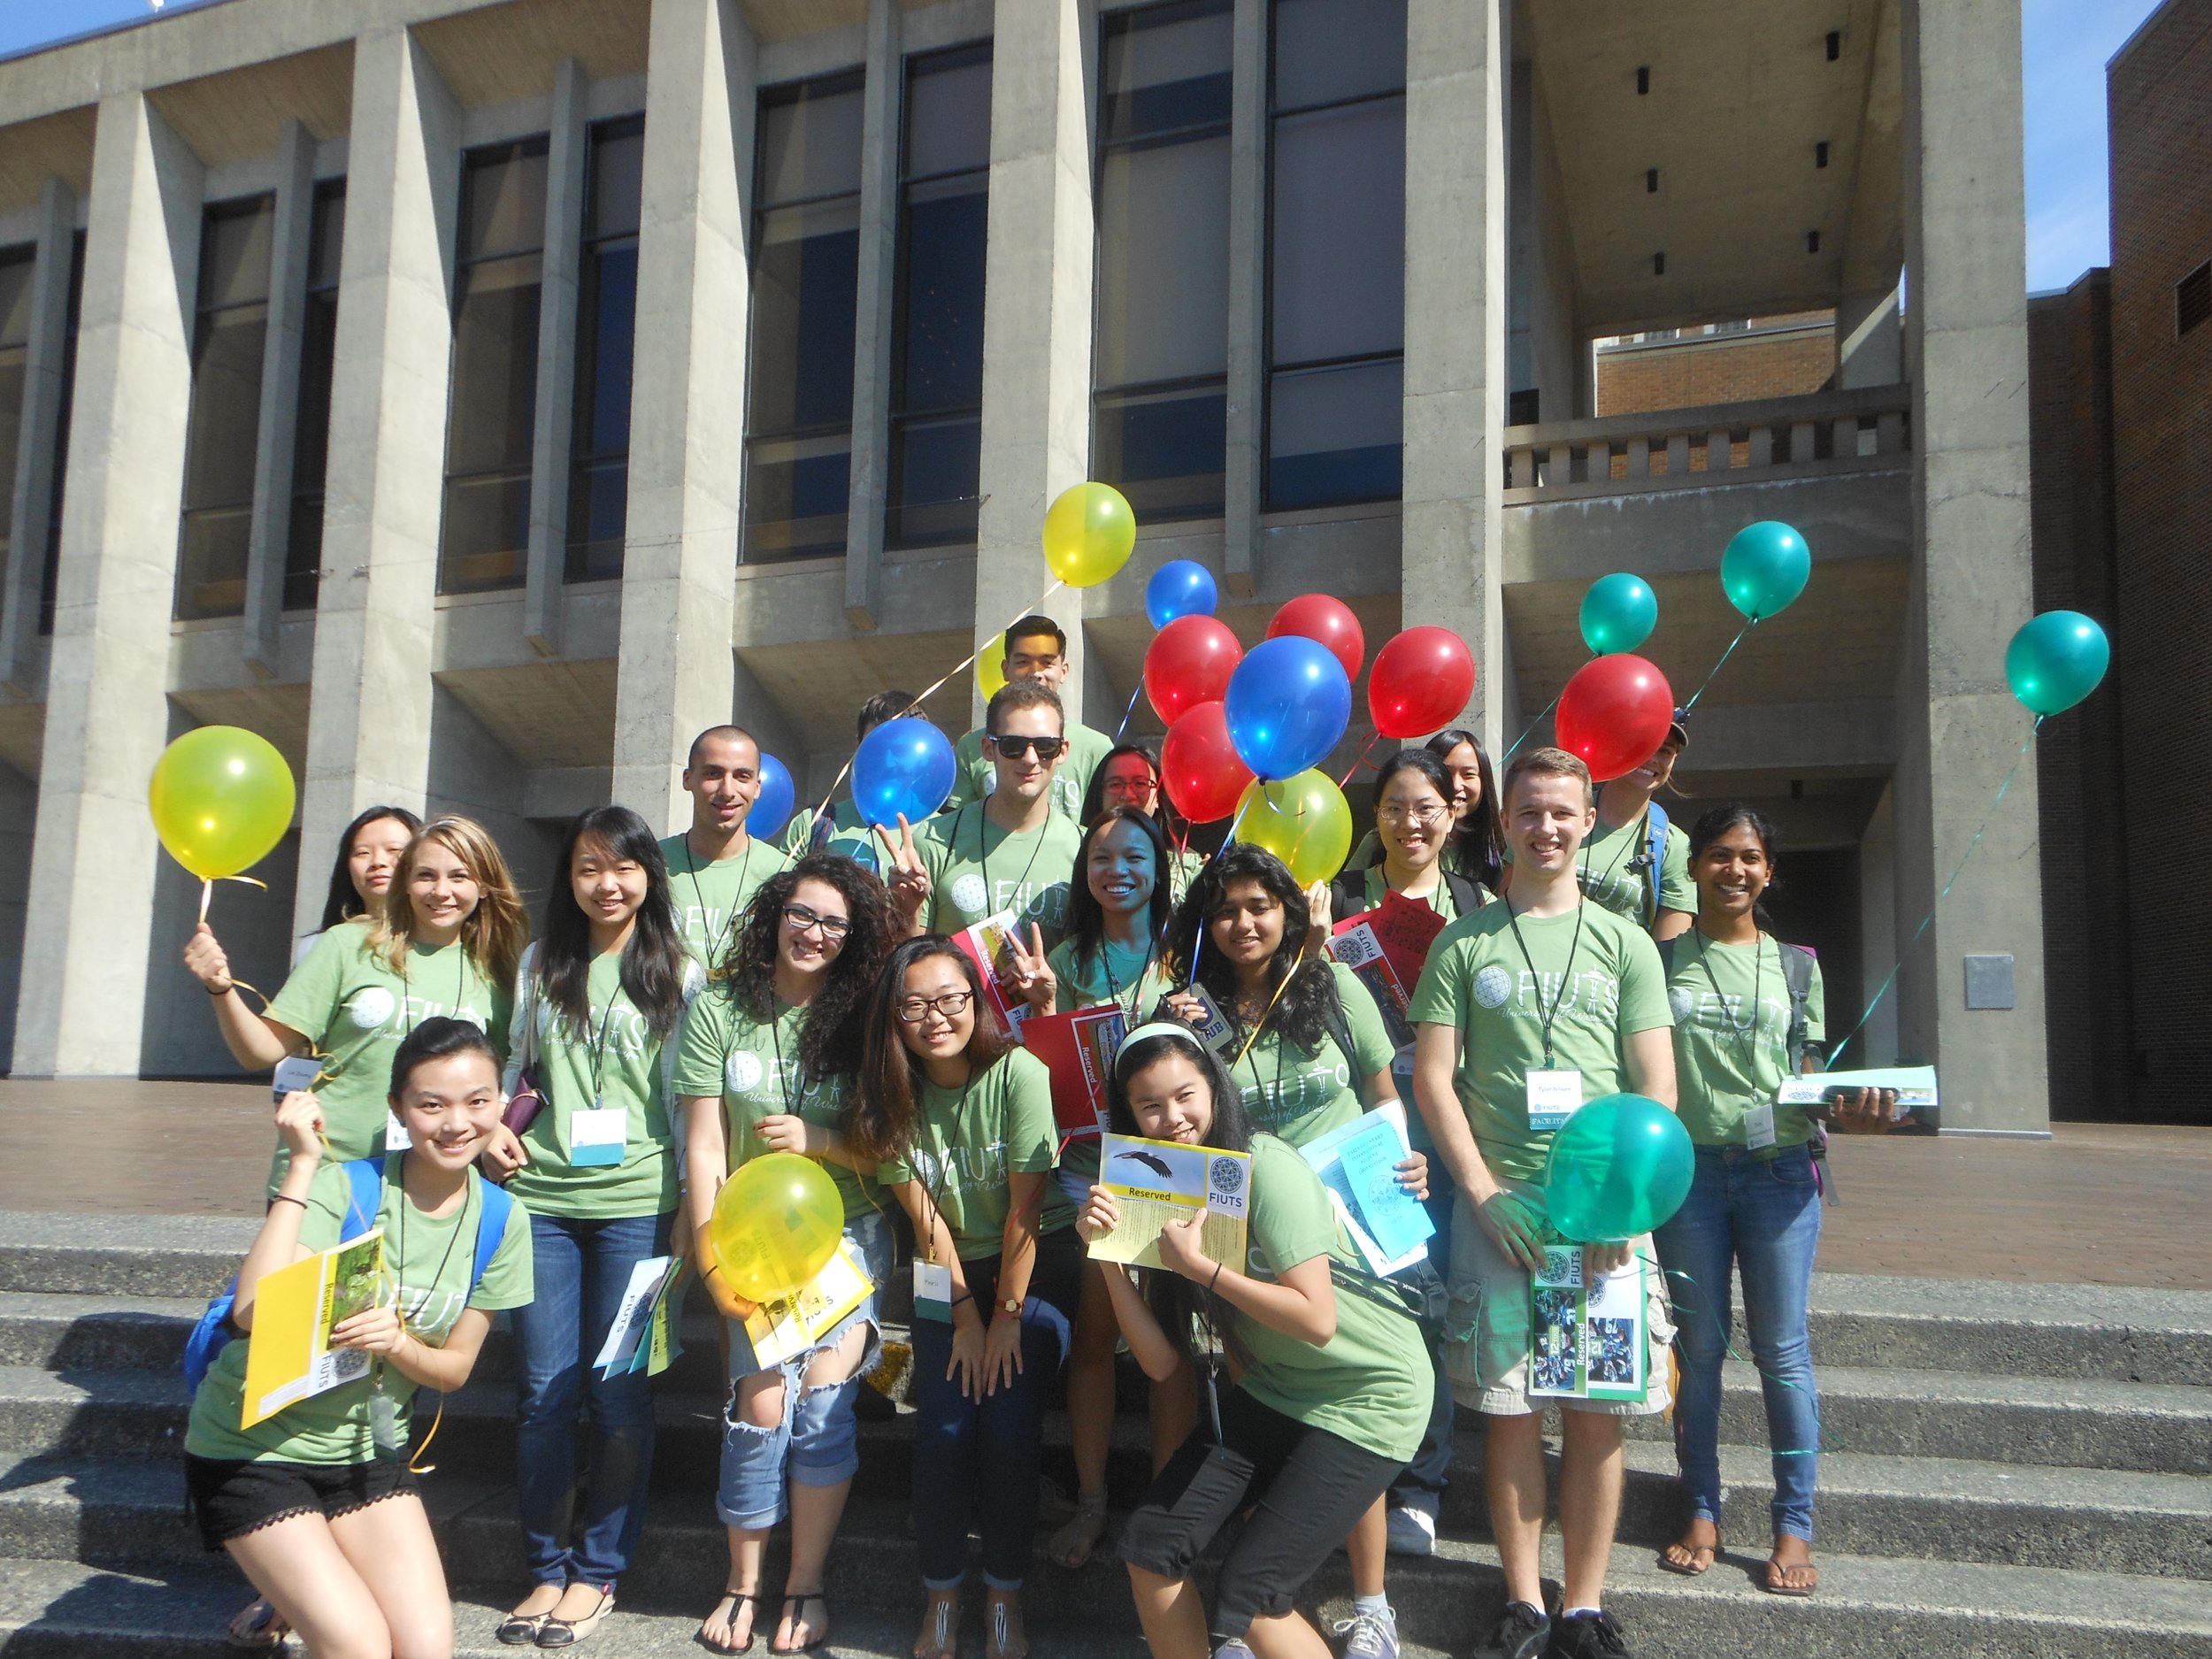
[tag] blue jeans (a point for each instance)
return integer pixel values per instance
(965, 1449)
(1422, 1484)
(818, 1442)
(581, 1269)
(1765, 1215)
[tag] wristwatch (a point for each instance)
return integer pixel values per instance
(1011, 1304)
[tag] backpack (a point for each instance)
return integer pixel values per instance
(1347, 894)
(1653, 861)
(365, 1181)
(1797, 979)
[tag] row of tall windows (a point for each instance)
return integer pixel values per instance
(17, 271)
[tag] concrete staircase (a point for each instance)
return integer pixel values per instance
(2014, 1471)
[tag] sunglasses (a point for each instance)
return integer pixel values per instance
(1014, 748)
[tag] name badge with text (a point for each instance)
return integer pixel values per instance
(597, 1138)
(1758, 1126)
(1555, 1094)
(932, 1291)
(294, 1073)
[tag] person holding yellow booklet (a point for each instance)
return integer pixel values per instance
(1331, 1387)
(318, 1504)
(763, 1065)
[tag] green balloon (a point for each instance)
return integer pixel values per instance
(1764, 569)
(1618, 614)
(2055, 660)
(1619, 1168)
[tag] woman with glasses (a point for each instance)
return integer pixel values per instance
(1129, 777)
(765, 1065)
(960, 1125)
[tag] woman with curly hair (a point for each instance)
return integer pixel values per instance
(764, 1065)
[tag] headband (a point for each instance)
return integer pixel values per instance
(1155, 1028)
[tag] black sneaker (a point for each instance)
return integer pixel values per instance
(1593, 1636)
(1519, 1634)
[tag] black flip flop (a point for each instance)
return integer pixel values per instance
(736, 1598)
(800, 1600)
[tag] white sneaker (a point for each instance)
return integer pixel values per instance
(1368, 1637)
(1412, 1532)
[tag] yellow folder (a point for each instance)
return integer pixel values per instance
(295, 1309)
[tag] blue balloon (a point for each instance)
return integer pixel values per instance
(904, 768)
(1287, 705)
(1180, 588)
(772, 807)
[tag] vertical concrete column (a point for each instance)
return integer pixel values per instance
(291, 247)
(1036, 308)
(369, 716)
(38, 439)
(1456, 327)
(567, 154)
(875, 301)
(1241, 478)
(1966, 356)
(107, 710)
(687, 400)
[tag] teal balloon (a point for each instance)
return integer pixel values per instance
(1765, 568)
(1619, 1168)
(2055, 660)
(1618, 614)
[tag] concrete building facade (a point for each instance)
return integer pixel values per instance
(479, 399)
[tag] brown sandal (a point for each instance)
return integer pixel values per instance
(1692, 1568)
(1775, 1580)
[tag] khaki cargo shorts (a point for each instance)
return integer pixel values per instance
(1487, 1335)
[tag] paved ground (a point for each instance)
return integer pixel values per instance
(2097, 1204)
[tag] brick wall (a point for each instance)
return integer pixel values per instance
(2160, 90)
(1715, 369)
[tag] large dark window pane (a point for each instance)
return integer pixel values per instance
(17, 265)
(1165, 449)
(1165, 68)
(606, 341)
(492, 418)
(937, 346)
(229, 330)
(1336, 434)
(806, 273)
(1163, 262)
(311, 440)
(50, 574)
(1329, 51)
(1339, 232)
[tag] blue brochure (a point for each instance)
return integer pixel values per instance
(1358, 1163)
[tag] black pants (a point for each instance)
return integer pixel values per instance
(1308, 1488)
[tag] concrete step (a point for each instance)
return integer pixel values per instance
(187, 1257)
(58, 1332)
(67, 1610)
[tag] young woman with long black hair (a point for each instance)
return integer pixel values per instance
(369, 851)
(603, 994)
(960, 1123)
(766, 1066)
(1331, 1382)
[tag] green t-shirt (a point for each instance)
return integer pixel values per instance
(967, 1141)
(1732, 1026)
(976, 776)
(710, 895)
(976, 869)
(1479, 983)
(847, 837)
(1370, 1382)
(1439, 898)
(617, 1062)
(1183, 868)
(346, 999)
(1301, 1093)
(1132, 978)
(433, 1269)
(1604, 868)
(753, 1066)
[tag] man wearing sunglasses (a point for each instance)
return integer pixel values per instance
(1008, 851)
(1036, 648)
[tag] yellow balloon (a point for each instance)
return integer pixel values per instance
(1304, 820)
(1089, 532)
(776, 1222)
(221, 797)
(990, 668)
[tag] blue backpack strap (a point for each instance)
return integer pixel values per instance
(491, 1226)
(1654, 850)
(365, 1196)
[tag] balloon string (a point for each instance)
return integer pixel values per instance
(1711, 1311)
(1198, 939)
(1262, 1024)
(207, 890)
(1724, 656)
(914, 706)
(1942, 894)
(1531, 726)
(1130, 710)
(1361, 759)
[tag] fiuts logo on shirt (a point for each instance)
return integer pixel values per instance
(1680, 999)
(743, 1070)
(1493, 986)
(971, 893)
(373, 1007)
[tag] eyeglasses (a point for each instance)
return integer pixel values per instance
(913, 1010)
(1012, 748)
(1426, 816)
(1144, 786)
(799, 918)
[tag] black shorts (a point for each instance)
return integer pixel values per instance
(1306, 1487)
(230, 1498)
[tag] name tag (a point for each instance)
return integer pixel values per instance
(294, 1073)
(1555, 1094)
(396, 1136)
(597, 1138)
(1758, 1126)
(384, 1422)
(932, 1291)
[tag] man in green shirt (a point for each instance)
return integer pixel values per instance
(1036, 648)
(1616, 865)
(1526, 1010)
(1010, 851)
(715, 866)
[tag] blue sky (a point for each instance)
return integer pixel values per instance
(2065, 46)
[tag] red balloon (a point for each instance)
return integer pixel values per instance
(1422, 680)
(1331, 621)
(1614, 714)
(1188, 663)
(1199, 765)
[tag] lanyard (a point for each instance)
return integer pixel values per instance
(716, 937)
(468, 1195)
(1439, 899)
(935, 1189)
(983, 857)
(1566, 979)
(1749, 1036)
(597, 1052)
(1136, 982)
(783, 1083)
